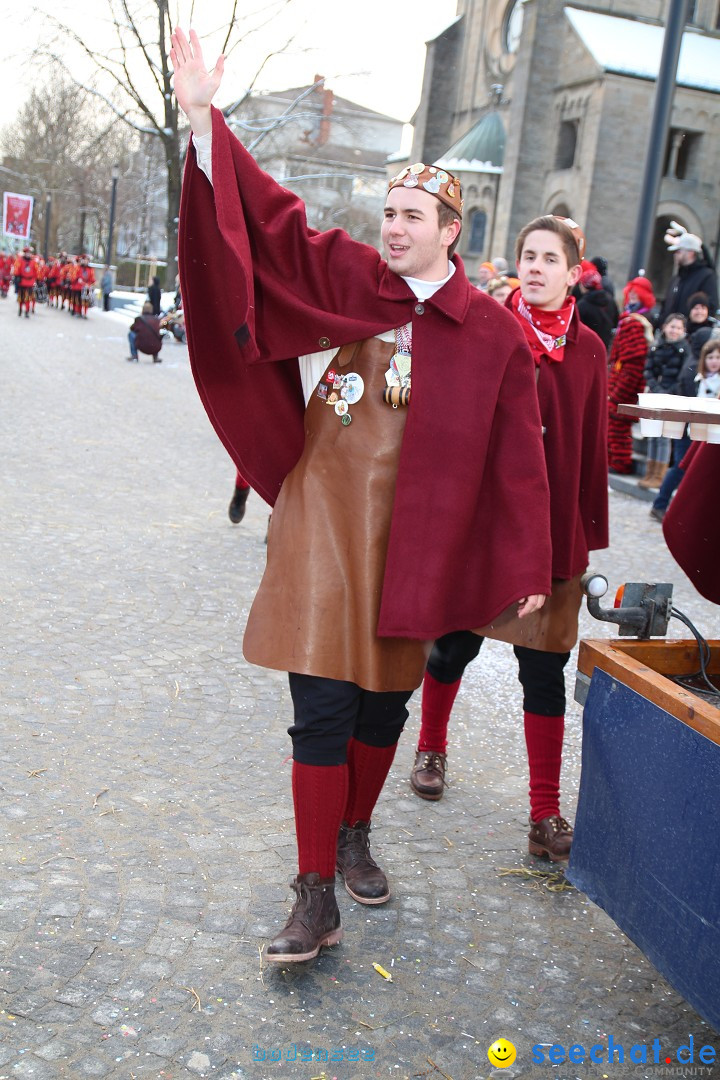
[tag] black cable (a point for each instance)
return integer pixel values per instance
(704, 654)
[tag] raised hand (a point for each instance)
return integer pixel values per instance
(194, 85)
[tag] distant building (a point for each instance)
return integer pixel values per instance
(544, 106)
(329, 150)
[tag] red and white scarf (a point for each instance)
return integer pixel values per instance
(546, 331)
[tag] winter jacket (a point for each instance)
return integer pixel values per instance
(695, 278)
(147, 334)
(687, 385)
(664, 363)
(594, 310)
(154, 296)
(709, 386)
(699, 333)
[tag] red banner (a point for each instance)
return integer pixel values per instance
(17, 215)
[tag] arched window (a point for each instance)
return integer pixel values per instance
(566, 144)
(478, 227)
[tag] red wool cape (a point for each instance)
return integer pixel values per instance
(573, 406)
(470, 528)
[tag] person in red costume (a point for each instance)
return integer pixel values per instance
(572, 390)
(25, 270)
(66, 279)
(82, 282)
(628, 355)
(55, 275)
(6, 265)
(387, 410)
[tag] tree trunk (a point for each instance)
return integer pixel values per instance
(174, 184)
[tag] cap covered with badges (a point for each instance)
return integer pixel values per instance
(443, 185)
(576, 231)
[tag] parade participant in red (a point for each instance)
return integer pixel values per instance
(67, 280)
(362, 568)
(633, 338)
(83, 280)
(6, 265)
(572, 390)
(25, 270)
(55, 275)
(40, 290)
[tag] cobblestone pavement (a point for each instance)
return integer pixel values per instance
(147, 836)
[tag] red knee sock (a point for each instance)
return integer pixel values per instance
(368, 767)
(437, 702)
(319, 798)
(544, 739)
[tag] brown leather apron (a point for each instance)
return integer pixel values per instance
(317, 607)
(554, 628)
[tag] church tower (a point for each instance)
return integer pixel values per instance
(544, 107)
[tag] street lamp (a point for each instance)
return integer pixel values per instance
(115, 177)
(46, 245)
(662, 110)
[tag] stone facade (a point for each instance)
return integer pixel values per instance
(577, 127)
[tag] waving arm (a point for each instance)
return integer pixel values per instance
(195, 86)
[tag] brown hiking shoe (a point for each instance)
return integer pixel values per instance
(314, 921)
(363, 878)
(552, 837)
(427, 778)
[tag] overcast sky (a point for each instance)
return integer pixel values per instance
(371, 51)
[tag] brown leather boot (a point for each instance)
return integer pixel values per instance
(659, 475)
(363, 878)
(314, 921)
(648, 480)
(427, 778)
(552, 837)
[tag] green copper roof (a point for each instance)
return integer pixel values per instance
(482, 148)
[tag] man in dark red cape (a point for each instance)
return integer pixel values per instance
(572, 389)
(467, 524)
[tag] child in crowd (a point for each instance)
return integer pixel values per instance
(698, 378)
(665, 361)
(708, 375)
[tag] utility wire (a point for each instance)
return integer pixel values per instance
(709, 690)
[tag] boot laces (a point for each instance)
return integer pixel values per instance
(358, 844)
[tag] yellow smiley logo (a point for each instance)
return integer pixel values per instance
(501, 1054)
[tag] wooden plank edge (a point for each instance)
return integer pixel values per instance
(650, 684)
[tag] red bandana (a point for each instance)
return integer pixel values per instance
(546, 331)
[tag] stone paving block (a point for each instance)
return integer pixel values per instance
(33, 1068)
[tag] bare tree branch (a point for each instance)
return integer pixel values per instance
(231, 27)
(140, 43)
(230, 109)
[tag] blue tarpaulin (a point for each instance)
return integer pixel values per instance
(647, 836)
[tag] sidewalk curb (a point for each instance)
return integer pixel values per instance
(628, 485)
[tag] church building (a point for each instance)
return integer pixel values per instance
(544, 107)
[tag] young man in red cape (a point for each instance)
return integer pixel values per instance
(571, 371)
(394, 521)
